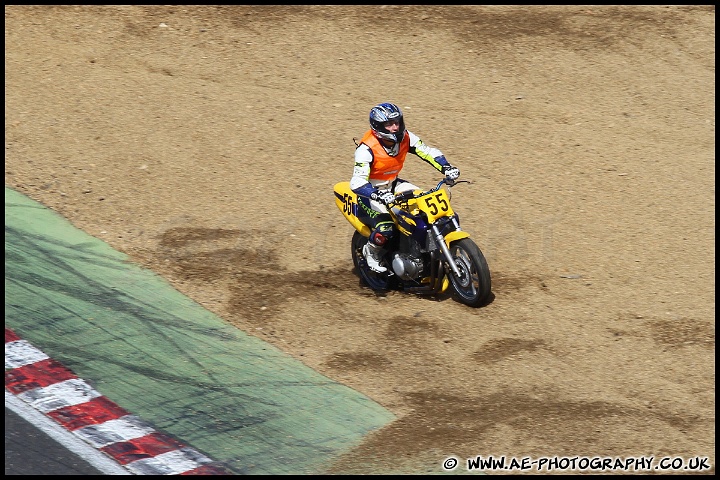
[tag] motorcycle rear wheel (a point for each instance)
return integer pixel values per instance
(376, 281)
(473, 286)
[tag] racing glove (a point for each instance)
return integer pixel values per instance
(385, 197)
(451, 173)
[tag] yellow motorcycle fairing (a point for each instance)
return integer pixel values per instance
(435, 205)
(346, 201)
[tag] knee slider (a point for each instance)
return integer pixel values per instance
(382, 234)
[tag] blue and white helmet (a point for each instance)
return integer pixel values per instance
(385, 112)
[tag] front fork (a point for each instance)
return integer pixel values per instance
(440, 241)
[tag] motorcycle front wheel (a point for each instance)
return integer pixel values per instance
(472, 287)
(376, 281)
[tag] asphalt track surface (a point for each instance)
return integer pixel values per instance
(126, 332)
(30, 451)
(34, 446)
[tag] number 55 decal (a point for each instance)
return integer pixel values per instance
(347, 205)
(433, 206)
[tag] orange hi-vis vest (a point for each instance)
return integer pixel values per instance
(383, 166)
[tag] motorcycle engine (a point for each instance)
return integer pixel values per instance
(406, 267)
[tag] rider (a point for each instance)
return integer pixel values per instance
(378, 160)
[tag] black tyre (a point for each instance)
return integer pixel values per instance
(376, 281)
(472, 287)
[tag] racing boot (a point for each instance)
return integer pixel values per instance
(372, 257)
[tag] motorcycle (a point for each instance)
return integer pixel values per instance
(429, 251)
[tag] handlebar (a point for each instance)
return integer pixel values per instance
(409, 195)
